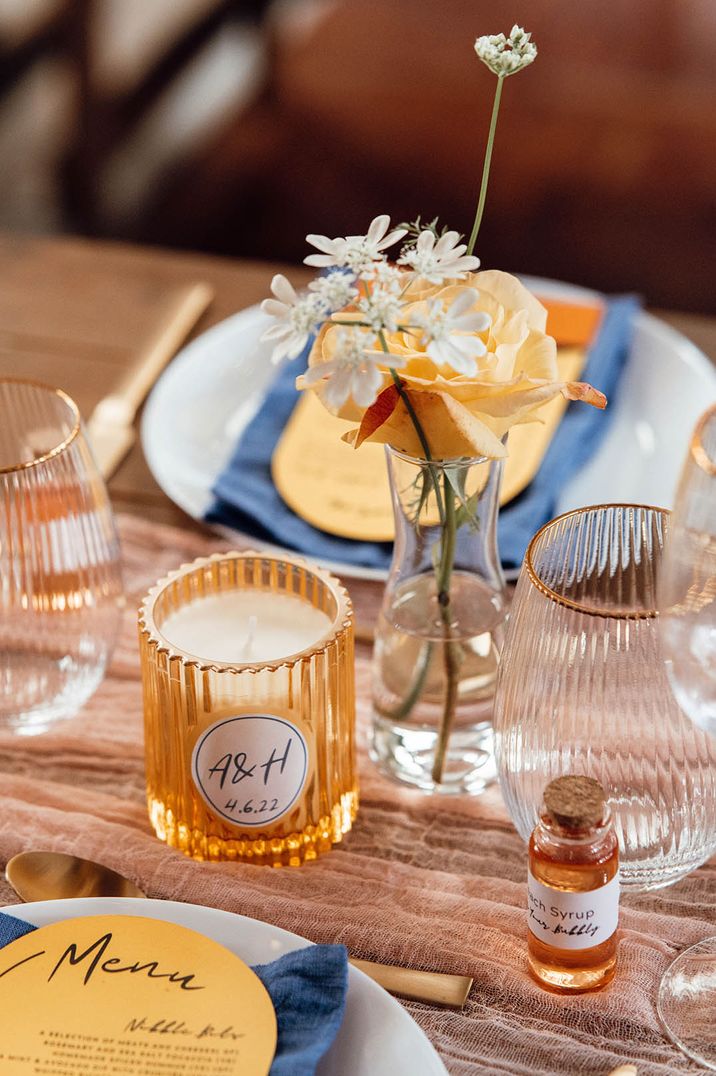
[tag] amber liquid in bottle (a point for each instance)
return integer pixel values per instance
(572, 860)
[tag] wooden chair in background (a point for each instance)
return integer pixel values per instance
(604, 170)
(605, 166)
(141, 86)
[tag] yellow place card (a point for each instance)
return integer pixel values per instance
(328, 483)
(573, 324)
(128, 996)
(345, 491)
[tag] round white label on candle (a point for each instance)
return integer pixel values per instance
(250, 769)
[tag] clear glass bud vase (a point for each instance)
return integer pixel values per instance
(440, 631)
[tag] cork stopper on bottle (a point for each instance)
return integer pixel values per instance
(575, 802)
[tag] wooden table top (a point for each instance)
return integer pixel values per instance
(50, 331)
(45, 333)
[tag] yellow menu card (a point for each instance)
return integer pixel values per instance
(128, 996)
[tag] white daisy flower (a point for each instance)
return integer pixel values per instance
(386, 276)
(436, 260)
(506, 55)
(335, 290)
(353, 371)
(381, 310)
(355, 252)
(450, 333)
(297, 318)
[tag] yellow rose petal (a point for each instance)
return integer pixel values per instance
(451, 430)
(511, 294)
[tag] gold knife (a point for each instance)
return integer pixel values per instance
(110, 430)
(435, 987)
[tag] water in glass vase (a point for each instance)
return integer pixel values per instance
(439, 635)
(414, 649)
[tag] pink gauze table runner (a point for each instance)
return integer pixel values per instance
(422, 881)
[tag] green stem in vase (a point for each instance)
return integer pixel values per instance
(486, 166)
(418, 429)
(424, 444)
(451, 650)
(422, 665)
(445, 499)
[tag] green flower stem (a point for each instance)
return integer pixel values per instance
(353, 323)
(418, 429)
(434, 477)
(451, 650)
(426, 651)
(486, 165)
(447, 549)
(405, 708)
(448, 524)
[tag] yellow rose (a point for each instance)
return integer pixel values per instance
(461, 415)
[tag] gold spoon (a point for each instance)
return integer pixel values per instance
(58, 876)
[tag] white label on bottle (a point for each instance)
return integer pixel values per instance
(250, 769)
(572, 920)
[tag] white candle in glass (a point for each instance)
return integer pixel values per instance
(220, 640)
(245, 626)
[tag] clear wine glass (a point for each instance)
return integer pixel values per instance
(687, 604)
(60, 581)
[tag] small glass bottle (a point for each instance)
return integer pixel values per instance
(573, 888)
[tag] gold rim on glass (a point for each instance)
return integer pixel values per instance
(559, 599)
(698, 449)
(66, 441)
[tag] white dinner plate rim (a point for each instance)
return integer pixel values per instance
(644, 322)
(41, 913)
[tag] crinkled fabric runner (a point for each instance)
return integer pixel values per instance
(426, 882)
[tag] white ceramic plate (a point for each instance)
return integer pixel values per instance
(377, 1036)
(215, 385)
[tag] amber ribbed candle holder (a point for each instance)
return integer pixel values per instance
(251, 758)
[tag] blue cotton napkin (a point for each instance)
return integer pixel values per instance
(307, 987)
(247, 500)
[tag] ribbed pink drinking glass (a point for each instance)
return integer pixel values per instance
(583, 689)
(60, 582)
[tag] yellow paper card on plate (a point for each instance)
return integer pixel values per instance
(573, 324)
(345, 491)
(129, 996)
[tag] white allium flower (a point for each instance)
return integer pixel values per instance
(335, 290)
(451, 333)
(354, 251)
(436, 260)
(297, 317)
(384, 275)
(353, 371)
(381, 310)
(506, 55)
